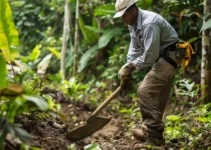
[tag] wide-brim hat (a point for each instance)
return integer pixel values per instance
(122, 5)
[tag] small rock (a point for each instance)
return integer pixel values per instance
(58, 126)
(70, 105)
(47, 138)
(81, 122)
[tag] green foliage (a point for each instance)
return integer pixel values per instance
(188, 14)
(14, 100)
(21, 103)
(37, 21)
(89, 54)
(145, 4)
(40, 103)
(189, 92)
(92, 147)
(175, 129)
(74, 87)
(187, 87)
(8, 33)
(9, 109)
(14, 130)
(55, 52)
(40, 24)
(103, 10)
(106, 38)
(103, 42)
(132, 115)
(184, 4)
(33, 63)
(71, 147)
(27, 147)
(54, 107)
(44, 64)
(109, 9)
(129, 111)
(191, 129)
(115, 61)
(35, 53)
(3, 72)
(206, 25)
(90, 37)
(35, 84)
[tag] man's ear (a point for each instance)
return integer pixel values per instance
(134, 10)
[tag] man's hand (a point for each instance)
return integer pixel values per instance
(125, 71)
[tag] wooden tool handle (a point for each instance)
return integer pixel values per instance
(107, 101)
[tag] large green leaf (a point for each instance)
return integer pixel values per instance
(91, 53)
(41, 103)
(206, 25)
(3, 72)
(19, 133)
(89, 36)
(106, 38)
(8, 33)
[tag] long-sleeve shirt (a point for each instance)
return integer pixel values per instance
(149, 37)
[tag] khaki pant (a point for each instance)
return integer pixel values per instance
(154, 93)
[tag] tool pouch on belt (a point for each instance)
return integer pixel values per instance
(184, 52)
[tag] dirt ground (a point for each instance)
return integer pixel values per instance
(49, 132)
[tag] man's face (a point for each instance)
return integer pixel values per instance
(130, 16)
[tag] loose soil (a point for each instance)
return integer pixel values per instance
(49, 132)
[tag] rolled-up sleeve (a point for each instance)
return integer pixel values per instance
(151, 38)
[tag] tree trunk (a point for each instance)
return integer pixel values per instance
(76, 40)
(66, 30)
(206, 56)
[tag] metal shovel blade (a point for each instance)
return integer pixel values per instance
(93, 124)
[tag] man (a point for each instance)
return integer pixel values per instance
(153, 43)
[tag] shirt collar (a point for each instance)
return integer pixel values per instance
(139, 21)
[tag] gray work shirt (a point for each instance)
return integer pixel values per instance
(148, 40)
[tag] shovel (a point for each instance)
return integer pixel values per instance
(94, 123)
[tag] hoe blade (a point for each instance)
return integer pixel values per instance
(93, 124)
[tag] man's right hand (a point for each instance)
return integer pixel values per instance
(125, 72)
